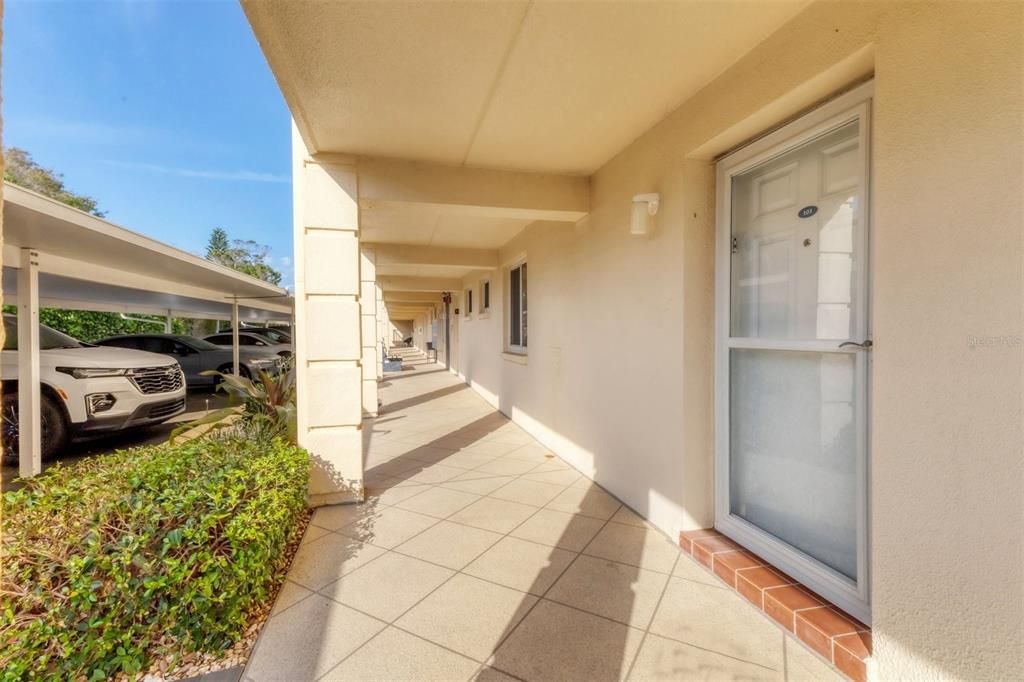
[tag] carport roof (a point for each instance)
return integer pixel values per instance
(88, 263)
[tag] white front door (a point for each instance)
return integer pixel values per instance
(792, 360)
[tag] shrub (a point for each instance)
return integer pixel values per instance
(105, 560)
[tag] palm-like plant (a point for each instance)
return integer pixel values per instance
(268, 405)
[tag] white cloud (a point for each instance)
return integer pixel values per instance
(234, 176)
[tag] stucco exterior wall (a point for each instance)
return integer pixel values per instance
(619, 374)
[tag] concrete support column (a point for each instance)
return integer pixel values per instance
(328, 343)
(30, 437)
(368, 317)
(234, 338)
(382, 326)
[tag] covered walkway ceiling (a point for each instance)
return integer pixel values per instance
(549, 87)
(87, 263)
(470, 121)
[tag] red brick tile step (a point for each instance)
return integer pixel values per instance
(836, 636)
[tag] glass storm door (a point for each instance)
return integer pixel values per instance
(793, 342)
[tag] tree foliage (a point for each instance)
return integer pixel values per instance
(21, 169)
(243, 255)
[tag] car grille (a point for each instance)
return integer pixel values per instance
(151, 380)
(166, 409)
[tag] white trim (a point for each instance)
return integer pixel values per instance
(511, 348)
(485, 300)
(851, 596)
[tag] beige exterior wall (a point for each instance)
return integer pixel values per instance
(619, 374)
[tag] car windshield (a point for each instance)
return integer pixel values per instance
(49, 339)
(275, 336)
(198, 344)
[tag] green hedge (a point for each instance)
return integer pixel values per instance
(104, 560)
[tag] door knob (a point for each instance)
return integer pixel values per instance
(863, 344)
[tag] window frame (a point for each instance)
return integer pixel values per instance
(523, 309)
(485, 295)
(468, 298)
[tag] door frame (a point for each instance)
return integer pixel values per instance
(851, 596)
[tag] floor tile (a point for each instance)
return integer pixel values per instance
(335, 516)
(307, 640)
(313, 533)
(449, 544)
(554, 464)
(468, 615)
(590, 501)
(431, 454)
(804, 666)
(689, 569)
(438, 502)
(393, 494)
(522, 565)
(499, 516)
(388, 527)
(558, 643)
(432, 473)
(666, 659)
(531, 452)
(558, 529)
(629, 517)
(533, 493)
(492, 448)
(464, 459)
(397, 655)
(477, 482)
(323, 561)
(559, 477)
(388, 587)
(506, 467)
(393, 467)
(643, 547)
(718, 620)
(512, 436)
(487, 674)
(624, 593)
(289, 594)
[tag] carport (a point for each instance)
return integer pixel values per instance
(55, 256)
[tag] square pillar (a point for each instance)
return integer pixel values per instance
(382, 327)
(368, 312)
(328, 339)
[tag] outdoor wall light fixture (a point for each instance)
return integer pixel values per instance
(645, 206)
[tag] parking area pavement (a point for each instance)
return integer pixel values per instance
(199, 403)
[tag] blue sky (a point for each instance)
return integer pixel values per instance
(164, 111)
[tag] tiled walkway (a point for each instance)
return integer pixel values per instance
(479, 555)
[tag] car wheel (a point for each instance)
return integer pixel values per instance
(54, 426)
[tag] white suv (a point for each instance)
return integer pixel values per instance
(88, 389)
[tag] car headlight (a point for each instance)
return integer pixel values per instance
(92, 372)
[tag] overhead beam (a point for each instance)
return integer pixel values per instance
(411, 254)
(472, 191)
(412, 297)
(420, 283)
(421, 307)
